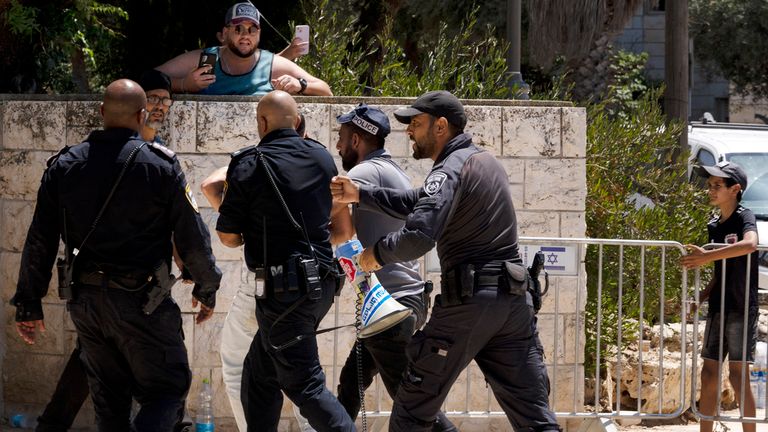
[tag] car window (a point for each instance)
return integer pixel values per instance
(705, 158)
(756, 196)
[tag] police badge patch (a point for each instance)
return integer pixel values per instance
(191, 198)
(434, 182)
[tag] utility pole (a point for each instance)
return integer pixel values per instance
(518, 89)
(676, 68)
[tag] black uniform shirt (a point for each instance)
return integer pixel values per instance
(464, 206)
(731, 231)
(302, 170)
(152, 201)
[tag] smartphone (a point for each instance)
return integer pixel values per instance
(302, 32)
(207, 59)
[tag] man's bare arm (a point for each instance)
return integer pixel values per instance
(213, 187)
(341, 226)
(185, 76)
(286, 74)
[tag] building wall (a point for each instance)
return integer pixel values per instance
(542, 146)
(645, 33)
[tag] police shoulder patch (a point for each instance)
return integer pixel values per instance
(163, 151)
(434, 182)
(51, 160)
(191, 198)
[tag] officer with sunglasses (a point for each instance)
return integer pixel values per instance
(241, 68)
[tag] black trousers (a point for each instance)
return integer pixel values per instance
(295, 370)
(129, 355)
(384, 354)
(498, 331)
(69, 396)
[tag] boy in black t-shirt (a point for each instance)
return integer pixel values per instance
(736, 227)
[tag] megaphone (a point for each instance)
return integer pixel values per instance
(379, 310)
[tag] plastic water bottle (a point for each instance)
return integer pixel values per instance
(204, 418)
(22, 421)
(758, 375)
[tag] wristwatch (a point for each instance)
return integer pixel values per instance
(303, 84)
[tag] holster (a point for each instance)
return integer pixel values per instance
(65, 273)
(162, 282)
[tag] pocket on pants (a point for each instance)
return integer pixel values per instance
(428, 358)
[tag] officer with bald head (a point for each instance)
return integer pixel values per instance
(278, 204)
(119, 203)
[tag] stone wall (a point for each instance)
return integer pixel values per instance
(541, 145)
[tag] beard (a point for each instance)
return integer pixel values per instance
(236, 50)
(422, 149)
(154, 124)
(348, 160)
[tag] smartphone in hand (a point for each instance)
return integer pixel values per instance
(207, 59)
(302, 32)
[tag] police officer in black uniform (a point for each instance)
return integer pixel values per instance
(278, 205)
(484, 311)
(119, 254)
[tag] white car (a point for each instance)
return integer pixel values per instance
(746, 145)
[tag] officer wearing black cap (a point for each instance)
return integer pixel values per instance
(278, 205)
(361, 147)
(117, 202)
(484, 311)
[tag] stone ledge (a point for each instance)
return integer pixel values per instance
(331, 100)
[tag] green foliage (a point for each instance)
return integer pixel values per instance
(628, 82)
(729, 35)
(74, 41)
(469, 68)
(329, 56)
(21, 20)
(629, 151)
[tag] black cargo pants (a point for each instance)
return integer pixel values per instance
(295, 370)
(498, 331)
(128, 354)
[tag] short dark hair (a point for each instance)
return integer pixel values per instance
(366, 136)
(729, 182)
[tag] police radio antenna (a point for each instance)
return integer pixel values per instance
(273, 28)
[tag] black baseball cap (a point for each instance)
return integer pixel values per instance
(153, 79)
(369, 119)
(240, 12)
(438, 103)
(725, 169)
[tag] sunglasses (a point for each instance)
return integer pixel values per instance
(241, 29)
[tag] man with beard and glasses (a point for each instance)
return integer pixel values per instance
(361, 147)
(484, 311)
(157, 87)
(241, 67)
(72, 389)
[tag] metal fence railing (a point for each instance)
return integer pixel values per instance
(639, 293)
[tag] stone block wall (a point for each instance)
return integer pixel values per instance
(542, 146)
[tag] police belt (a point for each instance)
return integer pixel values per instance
(107, 280)
(288, 278)
(464, 280)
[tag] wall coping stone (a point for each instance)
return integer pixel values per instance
(334, 100)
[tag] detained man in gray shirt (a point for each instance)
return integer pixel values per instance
(361, 147)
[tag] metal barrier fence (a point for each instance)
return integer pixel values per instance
(633, 283)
